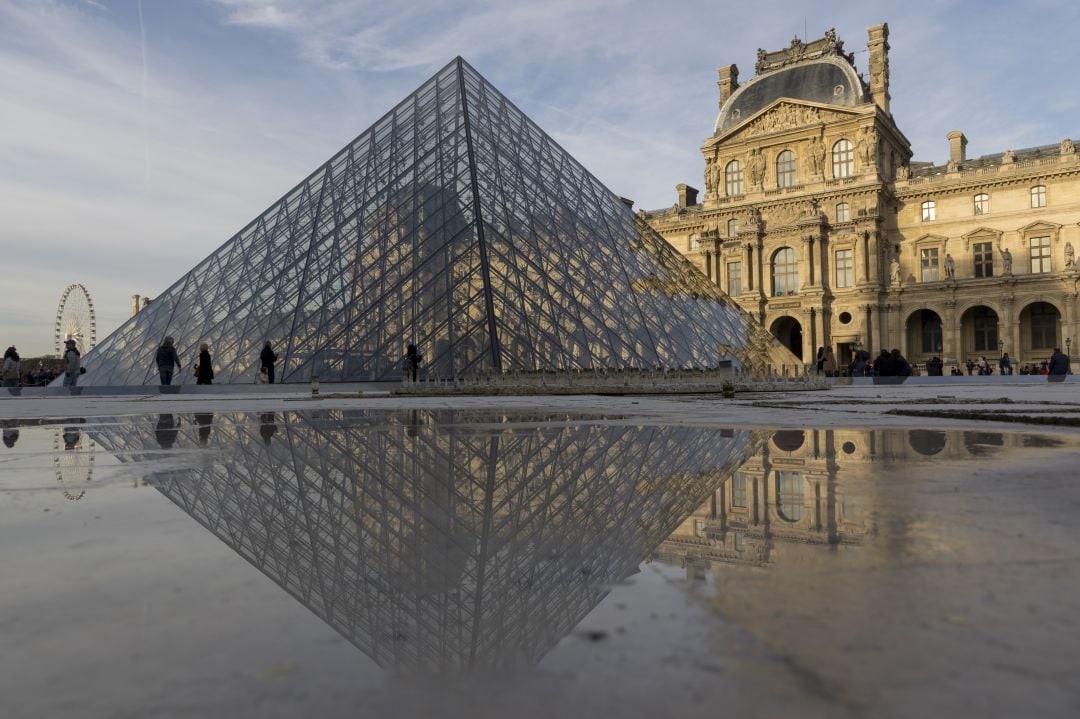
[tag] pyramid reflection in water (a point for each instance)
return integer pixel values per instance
(437, 541)
(456, 224)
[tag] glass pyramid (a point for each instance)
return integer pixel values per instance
(456, 224)
(435, 541)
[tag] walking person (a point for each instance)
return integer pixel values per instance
(12, 370)
(167, 358)
(828, 362)
(72, 364)
(204, 371)
(819, 361)
(267, 358)
(412, 361)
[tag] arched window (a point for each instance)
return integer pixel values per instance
(843, 159)
(982, 204)
(785, 169)
(1044, 322)
(986, 329)
(843, 212)
(1038, 196)
(733, 178)
(733, 227)
(785, 272)
(929, 211)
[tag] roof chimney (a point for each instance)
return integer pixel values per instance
(957, 146)
(687, 195)
(878, 46)
(728, 82)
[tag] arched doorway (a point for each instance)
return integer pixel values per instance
(924, 335)
(980, 333)
(1040, 324)
(789, 332)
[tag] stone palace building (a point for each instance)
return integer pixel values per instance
(816, 219)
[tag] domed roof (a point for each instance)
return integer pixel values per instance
(829, 80)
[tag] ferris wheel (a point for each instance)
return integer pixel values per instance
(73, 460)
(75, 320)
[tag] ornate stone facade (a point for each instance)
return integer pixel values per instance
(816, 219)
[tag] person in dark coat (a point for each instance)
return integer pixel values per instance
(267, 358)
(1005, 364)
(885, 365)
(903, 367)
(167, 359)
(1059, 363)
(934, 366)
(204, 371)
(412, 362)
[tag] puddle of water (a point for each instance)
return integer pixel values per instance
(591, 563)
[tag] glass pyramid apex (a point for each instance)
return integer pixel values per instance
(456, 224)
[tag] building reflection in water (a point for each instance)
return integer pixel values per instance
(814, 488)
(440, 540)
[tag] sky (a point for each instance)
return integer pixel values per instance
(136, 137)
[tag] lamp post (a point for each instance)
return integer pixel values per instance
(1068, 346)
(1001, 348)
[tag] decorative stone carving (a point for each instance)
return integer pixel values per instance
(952, 166)
(1006, 261)
(755, 166)
(1008, 157)
(950, 266)
(712, 176)
(903, 172)
(787, 116)
(1067, 147)
(816, 156)
(894, 271)
(798, 51)
(866, 147)
(1070, 257)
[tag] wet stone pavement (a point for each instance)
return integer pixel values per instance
(480, 563)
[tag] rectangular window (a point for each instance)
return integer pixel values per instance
(695, 243)
(929, 211)
(845, 268)
(929, 262)
(1038, 196)
(734, 278)
(738, 490)
(984, 259)
(1040, 254)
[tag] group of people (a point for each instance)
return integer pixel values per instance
(11, 372)
(894, 364)
(887, 364)
(168, 361)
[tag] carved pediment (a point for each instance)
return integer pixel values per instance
(1040, 228)
(982, 234)
(783, 115)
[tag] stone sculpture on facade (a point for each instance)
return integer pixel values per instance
(903, 172)
(816, 153)
(712, 177)
(894, 271)
(1070, 256)
(756, 166)
(1008, 157)
(1067, 147)
(950, 266)
(1006, 261)
(866, 146)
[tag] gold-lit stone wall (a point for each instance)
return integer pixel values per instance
(819, 231)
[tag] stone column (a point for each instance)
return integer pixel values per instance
(868, 340)
(950, 337)
(719, 266)
(708, 265)
(809, 335)
(872, 253)
(806, 271)
(748, 263)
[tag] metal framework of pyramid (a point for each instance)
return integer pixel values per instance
(456, 224)
(436, 540)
